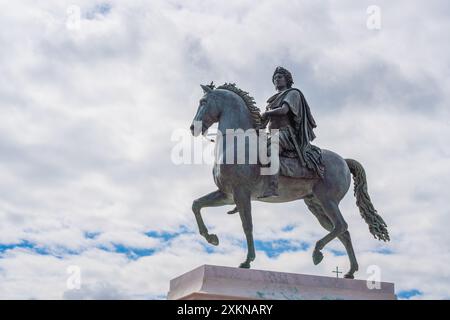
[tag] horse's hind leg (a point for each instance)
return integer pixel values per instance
(332, 212)
(347, 242)
(213, 199)
(243, 203)
(315, 207)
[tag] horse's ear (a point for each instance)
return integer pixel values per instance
(206, 89)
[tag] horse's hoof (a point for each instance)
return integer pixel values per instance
(349, 276)
(245, 265)
(213, 239)
(317, 257)
(233, 211)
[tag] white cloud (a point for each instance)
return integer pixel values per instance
(87, 116)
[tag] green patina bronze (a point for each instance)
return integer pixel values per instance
(320, 177)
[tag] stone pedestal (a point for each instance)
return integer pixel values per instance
(215, 282)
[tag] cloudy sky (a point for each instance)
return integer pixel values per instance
(91, 93)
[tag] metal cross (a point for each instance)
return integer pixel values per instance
(337, 272)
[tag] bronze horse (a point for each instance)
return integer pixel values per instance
(239, 184)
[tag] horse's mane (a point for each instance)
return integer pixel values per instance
(249, 101)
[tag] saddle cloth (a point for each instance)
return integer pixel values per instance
(291, 167)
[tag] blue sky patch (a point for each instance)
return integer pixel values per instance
(135, 253)
(384, 251)
(338, 253)
(101, 9)
(91, 235)
(274, 248)
(25, 244)
(167, 236)
(131, 253)
(408, 294)
(208, 247)
(288, 228)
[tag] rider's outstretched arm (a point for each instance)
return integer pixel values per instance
(278, 111)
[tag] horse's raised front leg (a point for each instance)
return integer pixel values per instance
(243, 203)
(213, 199)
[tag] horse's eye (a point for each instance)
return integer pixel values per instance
(202, 101)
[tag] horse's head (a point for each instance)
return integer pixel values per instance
(232, 107)
(207, 112)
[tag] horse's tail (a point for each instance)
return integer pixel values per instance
(377, 226)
